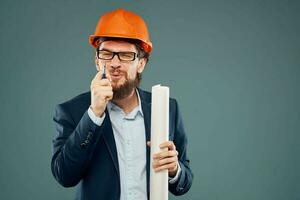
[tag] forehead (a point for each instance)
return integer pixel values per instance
(117, 46)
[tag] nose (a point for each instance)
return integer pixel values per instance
(115, 62)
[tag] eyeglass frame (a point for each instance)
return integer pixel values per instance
(135, 55)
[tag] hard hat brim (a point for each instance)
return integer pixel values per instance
(146, 45)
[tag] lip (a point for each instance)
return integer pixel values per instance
(116, 77)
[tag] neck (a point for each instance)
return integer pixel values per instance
(128, 103)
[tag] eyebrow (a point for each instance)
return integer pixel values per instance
(104, 49)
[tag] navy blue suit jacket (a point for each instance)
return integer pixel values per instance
(85, 154)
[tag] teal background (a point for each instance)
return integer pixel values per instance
(234, 67)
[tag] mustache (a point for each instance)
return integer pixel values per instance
(117, 72)
(112, 71)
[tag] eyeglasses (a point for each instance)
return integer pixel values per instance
(123, 56)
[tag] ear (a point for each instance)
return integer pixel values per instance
(141, 65)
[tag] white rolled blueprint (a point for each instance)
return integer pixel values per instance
(159, 134)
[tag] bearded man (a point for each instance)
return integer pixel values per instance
(103, 136)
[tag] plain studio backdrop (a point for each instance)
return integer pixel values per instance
(234, 67)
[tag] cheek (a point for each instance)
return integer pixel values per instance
(131, 72)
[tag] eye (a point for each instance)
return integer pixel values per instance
(105, 54)
(127, 55)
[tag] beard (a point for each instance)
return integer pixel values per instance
(124, 90)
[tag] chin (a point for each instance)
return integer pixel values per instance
(117, 85)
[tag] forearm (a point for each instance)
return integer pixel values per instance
(73, 149)
(184, 182)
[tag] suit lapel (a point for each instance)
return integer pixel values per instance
(146, 107)
(108, 136)
(110, 141)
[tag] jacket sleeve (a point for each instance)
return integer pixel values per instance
(184, 182)
(73, 146)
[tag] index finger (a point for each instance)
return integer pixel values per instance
(169, 144)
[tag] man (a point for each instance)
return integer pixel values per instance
(103, 136)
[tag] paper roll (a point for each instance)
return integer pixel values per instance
(159, 134)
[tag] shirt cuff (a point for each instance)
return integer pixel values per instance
(175, 178)
(97, 120)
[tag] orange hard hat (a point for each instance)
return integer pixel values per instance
(121, 23)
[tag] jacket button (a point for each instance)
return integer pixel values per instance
(90, 135)
(83, 144)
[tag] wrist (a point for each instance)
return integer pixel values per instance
(97, 112)
(172, 173)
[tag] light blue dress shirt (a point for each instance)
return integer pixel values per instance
(129, 134)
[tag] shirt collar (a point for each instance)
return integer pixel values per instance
(113, 107)
(140, 110)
